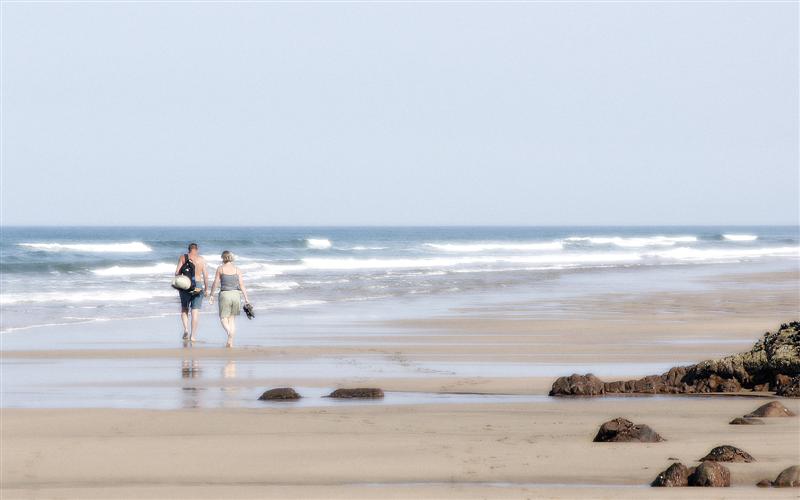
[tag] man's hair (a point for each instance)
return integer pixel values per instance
(192, 246)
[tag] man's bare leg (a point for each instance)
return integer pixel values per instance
(195, 320)
(185, 321)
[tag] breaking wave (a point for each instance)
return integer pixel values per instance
(131, 247)
(739, 237)
(157, 269)
(633, 242)
(318, 243)
(489, 246)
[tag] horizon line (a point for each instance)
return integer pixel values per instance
(388, 225)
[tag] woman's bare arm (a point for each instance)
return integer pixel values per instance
(216, 280)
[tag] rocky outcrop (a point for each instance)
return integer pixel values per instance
(280, 394)
(710, 474)
(727, 453)
(676, 474)
(771, 409)
(788, 478)
(361, 392)
(621, 430)
(746, 421)
(772, 364)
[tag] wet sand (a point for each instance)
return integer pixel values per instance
(207, 448)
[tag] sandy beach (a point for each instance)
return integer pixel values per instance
(449, 427)
(399, 249)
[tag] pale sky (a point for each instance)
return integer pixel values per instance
(400, 113)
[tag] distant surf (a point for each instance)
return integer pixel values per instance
(131, 247)
(635, 242)
(498, 246)
(49, 275)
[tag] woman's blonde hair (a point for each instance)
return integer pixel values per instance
(227, 257)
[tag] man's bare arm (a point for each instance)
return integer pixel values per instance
(180, 264)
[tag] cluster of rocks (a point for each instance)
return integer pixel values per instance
(773, 364)
(710, 472)
(289, 394)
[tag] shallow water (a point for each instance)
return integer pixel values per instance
(62, 275)
(213, 383)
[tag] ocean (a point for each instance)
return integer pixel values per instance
(67, 275)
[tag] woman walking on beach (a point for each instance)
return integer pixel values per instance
(229, 278)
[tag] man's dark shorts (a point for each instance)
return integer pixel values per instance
(191, 301)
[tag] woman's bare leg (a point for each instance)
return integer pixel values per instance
(226, 324)
(231, 330)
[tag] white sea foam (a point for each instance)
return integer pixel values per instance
(489, 246)
(362, 248)
(96, 296)
(335, 264)
(274, 285)
(634, 242)
(740, 237)
(162, 268)
(318, 243)
(686, 254)
(130, 247)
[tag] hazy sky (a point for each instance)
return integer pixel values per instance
(348, 113)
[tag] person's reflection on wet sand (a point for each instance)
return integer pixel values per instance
(190, 368)
(230, 392)
(191, 395)
(229, 370)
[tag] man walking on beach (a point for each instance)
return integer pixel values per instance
(193, 266)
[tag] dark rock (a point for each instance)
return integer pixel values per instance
(746, 421)
(781, 379)
(621, 430)
(280, 394)
(361, 392)
(771, 409)
(764, 483)
(710, 474)
(674, 377)
(614, 387)
(789, 388)
(651, 384)
(578, 385)
(772, 359)
(715, 383)
(676, 475)
(727, 453)
(788, 478)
